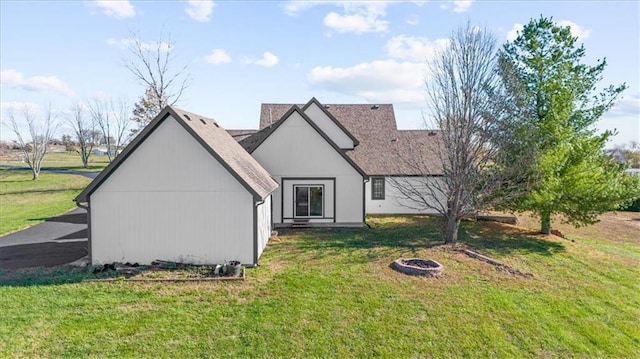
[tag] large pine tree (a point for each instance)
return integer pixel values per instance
(561, 99)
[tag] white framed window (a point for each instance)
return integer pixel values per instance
(377, 188)
(309, 201)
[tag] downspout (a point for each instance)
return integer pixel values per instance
(255, 231)
(87, 207)
(364, 202)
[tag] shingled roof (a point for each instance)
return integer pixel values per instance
(382, 148)
(214, 139)
(240, 135)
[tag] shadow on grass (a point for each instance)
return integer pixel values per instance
(39, 276)
(44, 190)
(407, 235)
(506, 240)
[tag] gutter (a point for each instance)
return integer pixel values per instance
(255, 231)
(88, 209)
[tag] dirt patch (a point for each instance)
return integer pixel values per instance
(622, 227)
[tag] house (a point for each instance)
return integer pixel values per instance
(182, 190)
(367, 135)
(319, 184)
(101, 151)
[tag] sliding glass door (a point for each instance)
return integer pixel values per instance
(308, 201)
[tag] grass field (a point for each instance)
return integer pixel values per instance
(68, 160)
(24, 202)
(331, 293)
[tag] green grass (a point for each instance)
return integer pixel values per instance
(331, 293)
(62, 160)
(24, 202)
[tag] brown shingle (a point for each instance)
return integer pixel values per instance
(383, 149)
(240, 135)
(214, 139)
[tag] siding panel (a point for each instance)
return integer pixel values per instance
(171, 200)
(296, 150)
(394, 202)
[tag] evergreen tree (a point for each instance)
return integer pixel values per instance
(558, 97)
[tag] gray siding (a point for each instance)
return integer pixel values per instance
(394, 202)
(297, 150)
(264, 224)
(335, 133)
(171, 200)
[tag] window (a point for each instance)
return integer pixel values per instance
(309, 201)
(377, 188)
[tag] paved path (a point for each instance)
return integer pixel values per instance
(59, 240)
(54, 170)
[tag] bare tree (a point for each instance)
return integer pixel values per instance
(152, 64)
(465, 167)
(40, 130)
(113, 119)
(84, 128)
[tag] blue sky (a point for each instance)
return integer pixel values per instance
(241, 54)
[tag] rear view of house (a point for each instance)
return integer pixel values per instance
(389, 159)
(319, 184)
(182, 190)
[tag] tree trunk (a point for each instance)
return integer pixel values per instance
(545, 219)
(451, 236)
(35, 174)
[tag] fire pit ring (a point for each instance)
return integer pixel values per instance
(418, 266)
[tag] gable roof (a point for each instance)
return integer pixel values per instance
(240, 135)
(383, 150)
(253, 142)
(324, 109)
(213, 138)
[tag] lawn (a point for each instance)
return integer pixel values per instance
(331, 293)
(24, 202)
(59, 159)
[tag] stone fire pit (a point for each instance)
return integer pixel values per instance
(418, 266)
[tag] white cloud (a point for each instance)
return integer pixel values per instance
(576, 30)
(413, 20)
(118, 9)
(294, 8)
(131, 42)
(199, 10)
(15, 79)
(513, 33)
(268, 60)
(356, 16)
(218, 57)
(418, 49)
(628, 106)
(33, 107)
(459, 6)
(359, 18)
(377, 81)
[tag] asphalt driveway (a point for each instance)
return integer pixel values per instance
(59, 240)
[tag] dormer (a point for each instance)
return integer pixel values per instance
(323, 118)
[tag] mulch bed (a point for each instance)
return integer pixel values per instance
(164, 271)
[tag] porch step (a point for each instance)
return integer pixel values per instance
(300, 223)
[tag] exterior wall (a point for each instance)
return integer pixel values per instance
(393, 202)
(335, 133)
(171, 200)
(263, 212)
(297, 150)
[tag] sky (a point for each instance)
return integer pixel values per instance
(241, 54)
